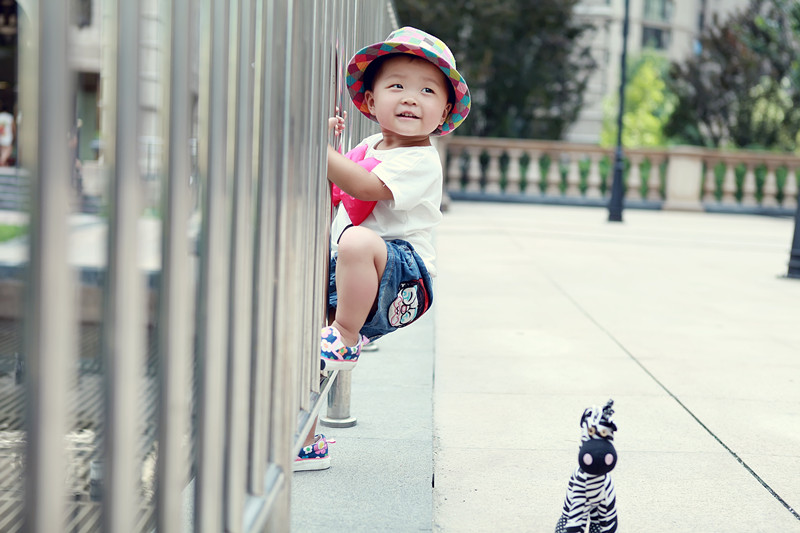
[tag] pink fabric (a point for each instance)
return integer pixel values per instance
(357, 210)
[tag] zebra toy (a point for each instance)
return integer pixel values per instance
(590, 494)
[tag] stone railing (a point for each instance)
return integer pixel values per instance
(682, 177)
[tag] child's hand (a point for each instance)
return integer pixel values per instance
(336, 124)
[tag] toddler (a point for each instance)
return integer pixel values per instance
(389, 190)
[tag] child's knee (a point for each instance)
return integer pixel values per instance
(358, 241)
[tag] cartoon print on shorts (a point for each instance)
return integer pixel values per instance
(410, 304)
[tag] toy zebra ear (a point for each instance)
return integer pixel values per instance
(607, 415)
(608, 407)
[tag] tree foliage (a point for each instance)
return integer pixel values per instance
(741, 88)
(523, 61)
(648, 105)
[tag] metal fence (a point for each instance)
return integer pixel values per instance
(170, 386)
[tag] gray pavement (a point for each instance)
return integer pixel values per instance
(684, 319)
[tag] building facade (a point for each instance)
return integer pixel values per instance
(671, 27)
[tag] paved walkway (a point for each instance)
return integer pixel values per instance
(683, 319)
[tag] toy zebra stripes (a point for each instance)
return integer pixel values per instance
(591, 498)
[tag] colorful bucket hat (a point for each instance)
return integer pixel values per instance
(410, 40)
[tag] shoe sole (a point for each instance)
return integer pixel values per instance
(336, 364)
(306, 465)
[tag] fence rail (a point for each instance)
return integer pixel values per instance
(673, 178)
(159, 356)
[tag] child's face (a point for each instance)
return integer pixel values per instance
(409, 96)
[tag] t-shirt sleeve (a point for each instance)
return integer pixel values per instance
(410, 177)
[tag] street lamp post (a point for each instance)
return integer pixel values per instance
(794, 255)
(617, 190)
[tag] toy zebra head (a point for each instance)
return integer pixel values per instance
(597, 455)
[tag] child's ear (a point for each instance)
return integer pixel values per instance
(446, 112)
(369, 98)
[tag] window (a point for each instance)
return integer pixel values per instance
(657, 38)
(658, 10)
(82, 13)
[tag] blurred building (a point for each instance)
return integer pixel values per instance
(87, 55)
(91, 55)
(670, 27)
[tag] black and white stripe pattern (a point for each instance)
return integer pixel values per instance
(591, 498)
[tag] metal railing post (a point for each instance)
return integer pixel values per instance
(49, 333)
(177, 280)
(123, 350)
(212, 304)
(338, 415)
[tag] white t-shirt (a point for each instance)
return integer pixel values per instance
(414, 175)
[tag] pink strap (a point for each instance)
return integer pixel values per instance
(357, 210)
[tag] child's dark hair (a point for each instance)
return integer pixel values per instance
(375, 67)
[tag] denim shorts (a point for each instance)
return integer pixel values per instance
(405, 292)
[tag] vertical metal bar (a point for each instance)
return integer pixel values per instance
(125, 321)
(299, 177)
(349, 40)
(271, 155)
(317, 125)
(241, 273)
(174, 324)
(212, 306)
(261, 330)
(322, 211)
(49, 336)
(284, 404)
(308, 196)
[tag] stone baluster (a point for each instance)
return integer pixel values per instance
(473, 170)
(533, 177)
(513, 174)
(684, 177)
(554, 176)
(573, 176)
(633, 188)
(769, 194)
(790, 189)
(749, 186)
(729, 184)
(493, 173)
(710, 183)
(593, 180)
(654, 179)
(454, 172)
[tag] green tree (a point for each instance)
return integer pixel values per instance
(741, 89)
(773, 32)
(523, 60)
(648, 105)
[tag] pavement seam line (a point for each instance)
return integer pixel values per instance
(677, 400)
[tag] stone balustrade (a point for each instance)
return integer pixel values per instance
(681, 177)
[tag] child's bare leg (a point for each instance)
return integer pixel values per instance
(310, 437)
(359, 268)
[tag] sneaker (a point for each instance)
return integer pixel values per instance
(334, 353)
(367, 345)
(315, 456)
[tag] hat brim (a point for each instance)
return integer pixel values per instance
(361, 60)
